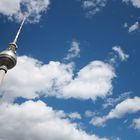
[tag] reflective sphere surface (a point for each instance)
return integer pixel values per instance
(8, 58)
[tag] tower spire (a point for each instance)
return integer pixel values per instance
(17, 35)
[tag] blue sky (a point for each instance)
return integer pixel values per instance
(77, 74)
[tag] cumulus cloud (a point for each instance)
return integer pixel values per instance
(92, 81)
(136, 123)
(9, 7)
(31, 78)
(121, 53)
(93, 6)
(37, 121)
(135, 3)
(127, 106)
(73, 51)
(133, 27)
(16, 9)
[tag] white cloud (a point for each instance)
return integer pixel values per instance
(93, 6)
(114, 101)
(98, 121)
(74, 115)
(92, 81)
(89, 113)
(128, 106)
(133, 27)
(30, 79)
(9, 7)
(135, 3)
(73, 51)
(120, 52)
(35, 120)
(16, 9)
(136, 123)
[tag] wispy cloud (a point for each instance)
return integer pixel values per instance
(125, 25)
(89, 113)
(121, 53)
(74, 51)
(114, 101)
(135, 3)
(133, 27)
(92, 7)
(16, 9)
(127, 106)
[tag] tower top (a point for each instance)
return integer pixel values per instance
(17, 35)
(8, 58)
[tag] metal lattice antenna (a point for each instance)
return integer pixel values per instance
(17, 35)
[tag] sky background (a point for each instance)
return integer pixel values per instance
(77, 74)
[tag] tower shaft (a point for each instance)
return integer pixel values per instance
(3, 71)
(2, 75)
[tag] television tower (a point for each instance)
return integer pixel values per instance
(8, 57)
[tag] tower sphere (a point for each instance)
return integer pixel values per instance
(8, 57)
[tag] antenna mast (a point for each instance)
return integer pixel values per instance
(17, 35)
